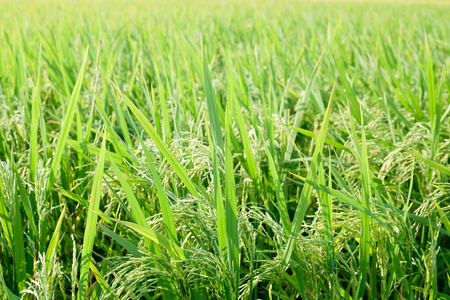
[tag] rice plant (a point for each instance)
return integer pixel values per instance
(224, 150)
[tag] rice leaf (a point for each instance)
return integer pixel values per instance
(136, 209)
(65, 129)
(91, 223)
(231, 204)
(162, 147)
(300, 212)
(130, 247)
(53, 245)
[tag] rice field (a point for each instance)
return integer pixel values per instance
(224, 149)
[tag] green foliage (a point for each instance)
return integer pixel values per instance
(224, 150)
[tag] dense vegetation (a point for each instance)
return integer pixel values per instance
(266, 150)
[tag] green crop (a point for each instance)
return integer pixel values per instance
(224, 149)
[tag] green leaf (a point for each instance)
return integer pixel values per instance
(91, 223)
(65, 129)
(212, 107)
(231, 204)
(343, 197)
(327, 213)
(281, 201)
(18, 236)
(432, 163)
(130, 247)
(52, 246)
(27, 205)
(164, 203)
(35, 110)
(302, 107)
(312, 135)
(136, 209)
(300, 212)
(101, 281)
(161, 146)
(159, 239)
(73, 196)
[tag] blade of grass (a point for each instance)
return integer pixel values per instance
(92, 150)
(18, 235)
(73, 196)
(343, 197)
(312, 135)
(91, 223)
(170, 246)
(435, 126)
(101, 280)
(35, 112)
(9, 294)
(431, 85)
(220, 210)
(249, 156)
(302, 107)
(164, 203)
(67, 122)
(212, 104)
(161, 146)
(125, 243)
(27, 205)
(136, 209)
(364, 246)
(5, 218)
(432, 163)
(327, 211)
(218, 199)
(231, 204)
(52, 246)
(307, 189)
(279, 193)
(349, 91)
(163, 104)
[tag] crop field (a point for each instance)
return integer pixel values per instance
(224, 149)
